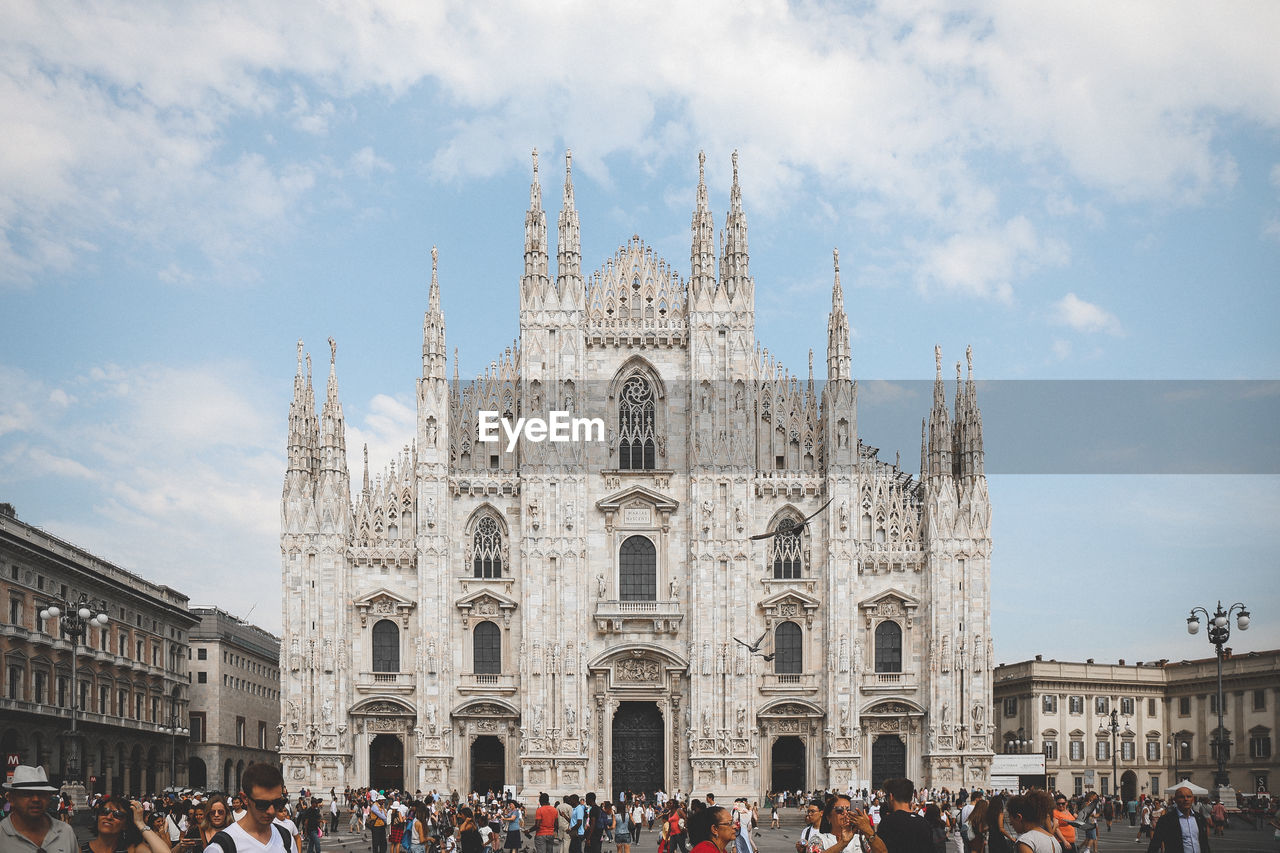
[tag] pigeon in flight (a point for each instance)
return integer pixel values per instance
(795, 528)
(754, 648)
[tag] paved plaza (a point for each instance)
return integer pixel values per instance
(782, 840)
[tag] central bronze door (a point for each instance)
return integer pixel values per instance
(637, 748)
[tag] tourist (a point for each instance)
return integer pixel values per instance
(470, 840)
(417, 827)
(813, 818)
(622, 832)
(977, 826)
(595, 825)
(937, 827)
(28, 826)
(264, 799)
(712, 830)
(120, 827)
(377, 822)
(512, 823)
(1181, 828)
(901, 829)
(999, 839)
(1066, 832)
(1028, 814)
(544, 823)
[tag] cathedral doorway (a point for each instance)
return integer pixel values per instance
(638, 735)
(888, 759)
(386, 762)
(1129, 786)
(488, 764)
(788, 764)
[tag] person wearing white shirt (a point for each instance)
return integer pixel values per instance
(257, 831)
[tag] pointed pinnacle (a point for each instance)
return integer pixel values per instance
(333, 352)
(568, 177)
(299, 356)
(968, 355)
(535, 189)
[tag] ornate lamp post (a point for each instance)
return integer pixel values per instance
(1017, 745)
(1219, 634)
(1114, 728)
(176, 730)
(1176, 747)
(75, 618)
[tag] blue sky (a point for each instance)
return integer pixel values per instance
(1080, 191)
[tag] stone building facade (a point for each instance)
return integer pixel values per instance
(131, 676)
(564, 616)
(1167, 717)
(235, 699)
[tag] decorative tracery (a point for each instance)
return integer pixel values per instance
(787, 551)
(486, 549)
(637, 441)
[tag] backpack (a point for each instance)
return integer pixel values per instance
(406, 840)
(228, 844)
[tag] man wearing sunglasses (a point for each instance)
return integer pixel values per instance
(257, 832)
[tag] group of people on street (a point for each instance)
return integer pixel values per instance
(896, 818)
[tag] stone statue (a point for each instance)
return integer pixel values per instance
(844, 515)
(570, 719)
(742, 722)
(844, 720)
(537, 721)
(429, 511)
(326, 712)
(600, 586)
(857, 656)
(707, 508)
(675, 587)
(739, 520)
(977, 717)
(706, 723)
(431, 717)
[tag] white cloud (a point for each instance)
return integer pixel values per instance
(1084, 316)
(984, 262)
(365, 162)
(126, 114)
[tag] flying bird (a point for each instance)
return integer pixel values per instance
(795, 528)
(754, 648)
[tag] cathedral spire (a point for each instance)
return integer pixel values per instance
(939, 424)
(333, 439)
(569, 244)
(970, 425)
(365, 485)
(434, 353)
(534, 283)
(702, 254)
(300, 418)
(735, 277)
(839, 359)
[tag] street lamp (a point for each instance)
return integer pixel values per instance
(1219, 634)
(1018, 744)
(1175, 748)
(1114, 728)
(175, 731)
(74, 620)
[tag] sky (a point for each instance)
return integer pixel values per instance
(1080, 191)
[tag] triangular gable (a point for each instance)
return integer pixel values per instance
(890, 604)
(383, 603)
(637, 497)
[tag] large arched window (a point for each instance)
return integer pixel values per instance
(638, 570)
(486, 549)
(637, 442)
(786, 551)
(487, 641)
(787, 648)
(386, 646)
(888, 647)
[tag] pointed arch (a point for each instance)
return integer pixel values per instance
(786, 549)
(487, 547)
(637, 405)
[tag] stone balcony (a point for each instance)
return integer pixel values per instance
(889, 682)
(488, 683)
(791, 683)
(658, 617)
(385, 682)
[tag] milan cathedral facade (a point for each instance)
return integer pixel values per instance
(563, 617)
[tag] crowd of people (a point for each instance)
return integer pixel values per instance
(895, 818)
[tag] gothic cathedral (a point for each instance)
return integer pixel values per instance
(566, 616)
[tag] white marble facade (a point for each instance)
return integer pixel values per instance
(466, 616)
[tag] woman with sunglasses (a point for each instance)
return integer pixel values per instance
(119, 828)
(841, 822)
(218, 815)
